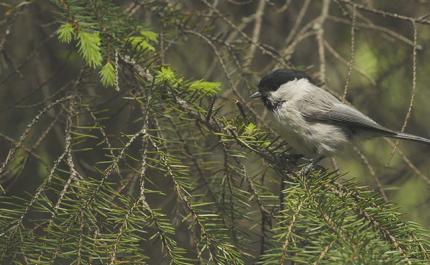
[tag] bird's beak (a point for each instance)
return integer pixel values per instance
(256, 95)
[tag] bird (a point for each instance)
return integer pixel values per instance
(312, 120)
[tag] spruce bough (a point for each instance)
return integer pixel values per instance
(181, 177)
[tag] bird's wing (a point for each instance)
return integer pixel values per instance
(323, 107)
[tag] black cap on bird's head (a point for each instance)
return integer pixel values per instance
(272, 81)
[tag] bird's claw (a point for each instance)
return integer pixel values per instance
(306, 170)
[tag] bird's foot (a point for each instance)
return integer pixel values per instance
(287, 157)
(313, 164)
(307, 169)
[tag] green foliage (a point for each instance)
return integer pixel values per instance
(144, 41)
(108, 75)
(179, 176)
(320, 220)
(149, 35)
(250, 129)
(88, 43)
(65, 33)
(89, 48)
(205, 88)
(166, 76)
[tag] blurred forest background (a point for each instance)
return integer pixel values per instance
(373, 53)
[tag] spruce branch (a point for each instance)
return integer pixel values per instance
(179, 166)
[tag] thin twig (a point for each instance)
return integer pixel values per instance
(372, 172)
(351, 59)
(421, 20)
(298, 21)
(256, 32)
(319, 27)
(413, 88)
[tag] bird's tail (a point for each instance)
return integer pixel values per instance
(411, 137)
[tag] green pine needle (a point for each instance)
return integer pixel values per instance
(140, 44)
(89, 48)
(250, 129)
(166, 76)
(143, 42)
(149, 35)
(65, 33)
(108, 75)
(206, 88)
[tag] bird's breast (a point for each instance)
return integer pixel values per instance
(308, 137)
(294, 128)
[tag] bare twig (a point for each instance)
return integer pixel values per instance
(319, 27)
(351, 60)
(372, 172)
(298, 21)
(413, 87)
(421, 20)
(257, 30)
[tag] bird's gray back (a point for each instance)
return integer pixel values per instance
(321, 106)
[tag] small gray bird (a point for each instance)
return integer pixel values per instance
(314, 122)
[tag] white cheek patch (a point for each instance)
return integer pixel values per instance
(292, 90)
